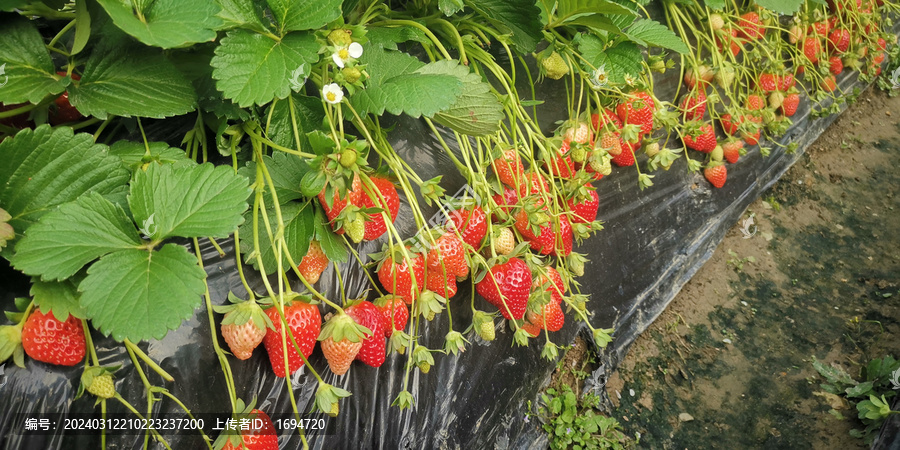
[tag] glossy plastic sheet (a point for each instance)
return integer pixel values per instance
(654, 241)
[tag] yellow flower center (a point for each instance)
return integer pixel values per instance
(330, 96)
(344, 54)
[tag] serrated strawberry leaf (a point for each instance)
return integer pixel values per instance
(196, 201)
(166, 23)
(620, 61)
(331, 244)
(306, 111)
(298, 231)
(26, 70)
(286, 171)
(390, 37)
(138, 294)
(786, 7)
(648, 32)
(135, 81)
(135, 154)
(59, 297)
(293, 15)
(477, 111)
(46, 167)
(521, 17)
(66, 239)
(242, 14)
(591, 13)
(251, 68)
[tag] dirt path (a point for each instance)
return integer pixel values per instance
(728, 364)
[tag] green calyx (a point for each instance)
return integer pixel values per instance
(341, 326)
(327, 397)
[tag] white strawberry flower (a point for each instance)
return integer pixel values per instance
(599, 79)
(332, 93)
(344, 54)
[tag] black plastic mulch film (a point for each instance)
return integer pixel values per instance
(653, 242)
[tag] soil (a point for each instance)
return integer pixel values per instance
(728, 364)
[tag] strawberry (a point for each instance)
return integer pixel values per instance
(811, 49)
(694, 105)
(372, 352)
(305, 322)
(243, 327)
(561, 165)
(882, 44)
(768, 82)
(263, 438)
(835, 65)
(820, 28)
(579, 132)
(47, 339)
(716, 173)
(729, 124)
(638, 109)
(611, 141)
(790, 103)
(396, 277)
(352, 196)
(551, 237)
(509, 168)
(585, 210)
(626, 158)
(755, 102)
(530, 328)
(533, 184)
(878, 58)
(839, 40)
(506, 286)
(393, 312)
(341, 340)
(385, 197)
(786, 82)
(608, 117)
(63, 111)
(828, 84)
(704, 140)
(448, 253)
(749, 26)
(551, 317)
(504, 241)
(505, 201)
(470, 223)
(314, 263)
(551, 282)
(729, 37)
(731, 150)
(440, 283)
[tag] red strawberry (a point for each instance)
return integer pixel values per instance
(305, 322)
(729, 36)
(505, 201)
(530, 328)
(507, 286)
(703, 73)
(551, 313)
(768, 82)
(828, 84)
(243, 327)
(731, 150)
(341, 340)
(839, 40)
(716, 173)
(393, 312)
(638, 109)
(811, 49)
(749, 26)
(550, 238)
(561, 165)
(755, 102)
(509, 168)
(366, 314)
(820, 28)
(314, 263)
(790, 103)
(626, 158)
(385, 198)
(786, 82)
(729, 124)
(440, 283)
(63, 111)
(471, 224)
(263, 438)
(585, 211)
(51, 341)
(551, 282)
(448, 253)
(882, 44)
(534, 184)
(395, 276)
(878, 58)
(694, 105)
(352, 196)
(835, 65)
(704, 141)
(608, 117)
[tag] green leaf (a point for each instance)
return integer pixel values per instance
(715, 4)
(243, 14)
(568, 11)
(308, 113)
(450, 7)
(786, 7)
(650, 32)
(166, 23)
(286, 171)
(398, 86)
(26, 70)
(390, 37)
(295, 15)
(477, 111)
(10, 5)
(63, 241)
(82, 26)
(59, 297)
(521, 17)
(136, 81)
(46, 167)
(332, 245)
(253, 69)
(134, 154)
(298, 231)
(203, 200)
(138, 295)
(619, 61)
(860, 390)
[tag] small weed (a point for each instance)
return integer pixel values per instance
(773, 203)
(738, 262)
(573, 424)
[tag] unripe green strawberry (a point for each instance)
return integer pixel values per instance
(651, 149)
(504, 241)
(717, 154)
(776, 99)
(103, 386)
(483, 323)
(340, 38)
(351, 74)
(356, 229)
(716, 22)
(554, 66)
(348, 157)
